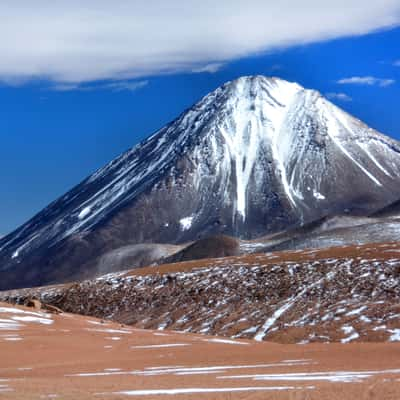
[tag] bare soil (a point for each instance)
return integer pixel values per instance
(48, 359)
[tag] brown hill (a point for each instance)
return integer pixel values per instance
(339, 294)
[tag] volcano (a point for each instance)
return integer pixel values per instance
(256, 156)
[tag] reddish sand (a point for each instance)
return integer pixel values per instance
(42, 355)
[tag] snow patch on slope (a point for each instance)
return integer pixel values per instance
(318, 195)
(84, 213)
(186, 223)
(256, 118)
(365, 147)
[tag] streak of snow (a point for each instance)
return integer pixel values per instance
(19, 311)
(375, 161)
(84, 213)
(38, 320)
(336, 376)
(158, 346)
(13, 339)
(109, 330)
(357, 311)
(225, 341)
(154, 392)
(286, 306)
(180, 370)
(335, 120)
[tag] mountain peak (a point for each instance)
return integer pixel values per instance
(259, 79)
(257, 85)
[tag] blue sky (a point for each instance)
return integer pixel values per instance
(57, 130)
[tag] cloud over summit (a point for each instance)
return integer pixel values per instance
(339, 96)
(74, 41)
(366, 80)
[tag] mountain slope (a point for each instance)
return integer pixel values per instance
(257, 155)
(390, 211)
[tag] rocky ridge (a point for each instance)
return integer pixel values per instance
(341, 294)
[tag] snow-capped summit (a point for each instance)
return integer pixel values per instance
(255, 156)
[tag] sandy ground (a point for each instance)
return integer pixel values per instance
(44, 356)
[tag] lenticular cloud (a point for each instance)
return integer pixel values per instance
(74, 41)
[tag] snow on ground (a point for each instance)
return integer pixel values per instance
(181, 370)
(154, 392)
(9, 325)
(13, 339)
(204, 370)
(318, 195)
(351, 334)
(14, 310)
(337, 376)
(29, 318)
(225, 341)
(4, 388)
(186, 223)
(15, 319)
(158, 346)
(125, 332)
(395, 335)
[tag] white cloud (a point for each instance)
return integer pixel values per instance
(117, 86)
(124, 85)
(339, 96)
(73, 41)
(366, 80)
(66, 87)
(209, 68)
(276, 67)
(397, 63)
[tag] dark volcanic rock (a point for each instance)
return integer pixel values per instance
(212, 247)
(392, 210)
